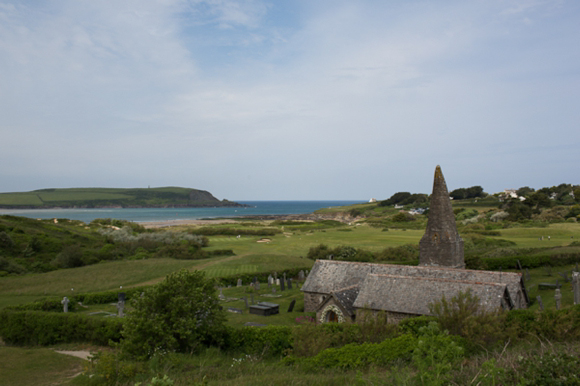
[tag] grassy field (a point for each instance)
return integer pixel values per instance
(37, 366)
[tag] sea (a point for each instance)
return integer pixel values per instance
(169, 214)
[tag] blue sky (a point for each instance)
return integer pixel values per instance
(258, 100)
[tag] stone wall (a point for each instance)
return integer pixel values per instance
(312, 300)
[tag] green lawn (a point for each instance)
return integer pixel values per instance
(37, 366)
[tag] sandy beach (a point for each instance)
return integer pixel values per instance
(170, 223)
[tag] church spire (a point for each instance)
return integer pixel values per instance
(441, 244)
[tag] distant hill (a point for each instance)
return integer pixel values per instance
(167, 197)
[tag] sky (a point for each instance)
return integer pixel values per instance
(289, 100)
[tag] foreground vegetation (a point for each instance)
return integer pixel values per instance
(42, 261)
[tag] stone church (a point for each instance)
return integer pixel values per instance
(338, 290)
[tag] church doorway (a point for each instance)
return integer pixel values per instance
(331, 316)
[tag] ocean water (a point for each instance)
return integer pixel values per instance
(165, 214)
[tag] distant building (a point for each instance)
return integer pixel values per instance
(373, 200)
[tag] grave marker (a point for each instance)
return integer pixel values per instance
(291, 306)
(558, 297)
(239, 283)
(65, 303)
(539, 298)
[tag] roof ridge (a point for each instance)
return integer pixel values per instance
(438, 279)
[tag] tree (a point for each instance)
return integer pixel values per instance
(524, 191)
(180, 314)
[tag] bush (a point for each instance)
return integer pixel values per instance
(354, 356)
(264, 341)
(48, 328)
(463, 315)
(180, 314)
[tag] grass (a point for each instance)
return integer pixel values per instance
(37, 366)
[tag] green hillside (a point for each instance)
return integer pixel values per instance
(111, 197)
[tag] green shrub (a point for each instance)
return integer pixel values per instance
(180, 314)
(263, 341)
(463, 315)
(48, 328)
(355, 356)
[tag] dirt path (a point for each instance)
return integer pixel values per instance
(79, 354)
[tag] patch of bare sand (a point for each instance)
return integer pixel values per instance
(170, 223)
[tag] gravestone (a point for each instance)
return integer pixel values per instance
(539, 298)
(278, 282)
(558, 298)
(265, 309)
(257, 286)
(275, 275)
(221, 295)
(284, 277)
(301, 275)
(270, 280)
(246, 301)
(576, 286)
(65, 303)
(282, 285)
(239, 283)
(121, 308)
(290, 283)
(274, 289)
(291, 306)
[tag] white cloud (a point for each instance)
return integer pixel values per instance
(225, 94)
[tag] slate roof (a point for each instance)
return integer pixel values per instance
(328, 276)
(412, 295)
(346, 298)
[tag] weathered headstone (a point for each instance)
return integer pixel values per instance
(301, 275)
(221, 295)
(270, 280)
(245, 301)
(282, 285)
(65, 303)
(290, 283)
(278, 282)
(121, 308)
(239, 283)
(441, 244)
(257, 286)
(291, 306)
(576, 286)
(275, 275)
(539, 298)
(558, 298)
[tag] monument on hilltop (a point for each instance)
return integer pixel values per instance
(441, 245)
